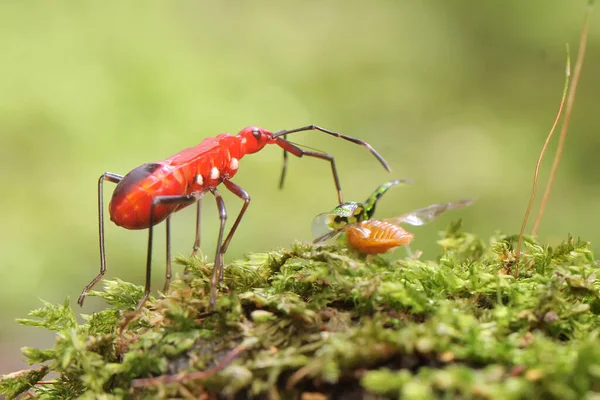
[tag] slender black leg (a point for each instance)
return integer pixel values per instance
(218, 259)
(298, 152)
(161, 200)
(242, 194)
(285, 161)
(281, 139)
(115, 178)
(313, 127)
(168, 252)
(155, 201)
(197, 239)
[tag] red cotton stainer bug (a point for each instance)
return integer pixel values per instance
(152, 192)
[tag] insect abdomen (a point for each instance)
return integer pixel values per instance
(375, 236)
(132, 199)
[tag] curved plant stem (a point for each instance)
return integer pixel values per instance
(568, 111)
(541, 157)
(570, 100)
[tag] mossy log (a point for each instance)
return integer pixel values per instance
(319, 322)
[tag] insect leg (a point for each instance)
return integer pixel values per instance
(284, 169)
(168, 252)
(242, 194)
(114, 178)
(371, 202)
(162, 200)
(298, 152)
(197, 239)
(338, 135)
(217, 265)
(155, 201)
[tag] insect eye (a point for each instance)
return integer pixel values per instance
(256, 133)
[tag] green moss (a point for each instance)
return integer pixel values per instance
(318, 319)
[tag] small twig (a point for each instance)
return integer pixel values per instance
(301, 373)
(539, 161)
(182, 377)
(568, 111)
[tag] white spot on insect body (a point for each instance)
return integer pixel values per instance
(244, 140)
(234, 164)
(199, 180)
(214, 173)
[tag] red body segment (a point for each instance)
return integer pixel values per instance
(193, 170)
(132, 198)
(375, 236)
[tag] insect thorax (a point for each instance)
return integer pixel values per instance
(346, 213)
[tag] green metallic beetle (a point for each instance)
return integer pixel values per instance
(328, 225)
(351, 212)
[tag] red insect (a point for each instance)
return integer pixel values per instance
(152, 192)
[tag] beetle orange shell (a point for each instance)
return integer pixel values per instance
(375, 236)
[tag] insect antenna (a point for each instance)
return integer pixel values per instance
(331, 234)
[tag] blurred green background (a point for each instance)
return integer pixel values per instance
(456, 95)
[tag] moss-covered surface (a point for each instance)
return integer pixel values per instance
(318, 322)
